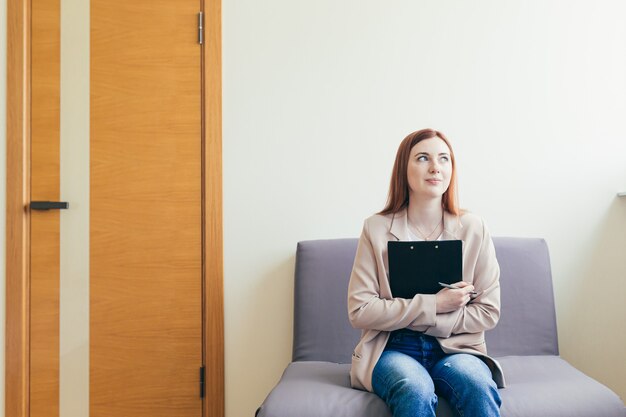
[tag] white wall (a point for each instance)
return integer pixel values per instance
(317, 96)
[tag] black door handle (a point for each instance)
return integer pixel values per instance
(48, 205)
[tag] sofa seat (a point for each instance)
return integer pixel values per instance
(549, 386)
(537, 386)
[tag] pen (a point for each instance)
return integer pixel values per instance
(455, 288)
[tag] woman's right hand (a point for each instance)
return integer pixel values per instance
(453, 299)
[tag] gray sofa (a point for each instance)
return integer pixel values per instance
(539, 383)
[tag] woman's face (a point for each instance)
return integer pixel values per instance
(429, 169)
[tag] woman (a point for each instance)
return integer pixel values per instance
(411, 349)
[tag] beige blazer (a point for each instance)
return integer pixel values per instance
(372, 308)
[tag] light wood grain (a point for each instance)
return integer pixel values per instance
(17, 223)
(44, 249)
(145, 209)
(214, 292)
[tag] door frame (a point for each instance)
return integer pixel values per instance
(18, 101)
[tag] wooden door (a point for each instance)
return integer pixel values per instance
(146, 204)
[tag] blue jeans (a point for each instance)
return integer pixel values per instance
(413, 370)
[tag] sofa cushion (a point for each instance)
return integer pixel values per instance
(527, 324)
(322, 331)
(549, 386)
(538, 386)
(315, 389)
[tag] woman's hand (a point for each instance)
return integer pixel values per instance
(452, 299)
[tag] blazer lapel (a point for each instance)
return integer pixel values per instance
(398, 227)
(451, 226)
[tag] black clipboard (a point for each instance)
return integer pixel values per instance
(418, 267)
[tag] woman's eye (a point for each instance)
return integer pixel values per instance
(422, 158)
(445, 158)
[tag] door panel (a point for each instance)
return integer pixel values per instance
(145, 209)
(44, 250)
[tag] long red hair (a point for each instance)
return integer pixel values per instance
(398, 197)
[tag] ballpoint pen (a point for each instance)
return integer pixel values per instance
(455, 288)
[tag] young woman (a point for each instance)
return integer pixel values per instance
(413, 349)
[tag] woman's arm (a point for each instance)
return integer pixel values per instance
(368, 310)
(483, 312)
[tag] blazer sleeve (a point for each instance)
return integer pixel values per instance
(483, 312)
(367, 309)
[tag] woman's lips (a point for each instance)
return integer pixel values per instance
(433, 182)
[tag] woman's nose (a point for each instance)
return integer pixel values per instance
(434, 167)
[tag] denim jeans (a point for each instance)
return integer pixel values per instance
(413, 370)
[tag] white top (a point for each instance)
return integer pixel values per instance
(414, 238)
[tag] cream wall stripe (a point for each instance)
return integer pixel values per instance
(74, 285)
